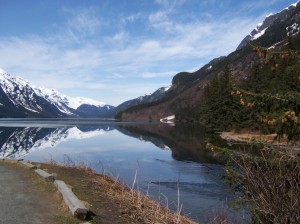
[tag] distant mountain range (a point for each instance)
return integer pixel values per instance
(20, 98)
(150, 98)
(187, 88)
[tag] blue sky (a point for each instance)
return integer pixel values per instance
(115, 50)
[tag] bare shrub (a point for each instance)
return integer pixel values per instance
(270, 183)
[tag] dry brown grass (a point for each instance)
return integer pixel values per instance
(267, 181)
(219, 218)
(270, 183)
(126, 204)
(141, 208)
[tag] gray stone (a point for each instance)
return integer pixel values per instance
(76, 207)
(45, 175)
(28, 165)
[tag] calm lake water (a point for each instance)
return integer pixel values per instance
(164, 158)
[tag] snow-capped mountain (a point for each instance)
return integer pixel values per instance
(18, 142)
(20, 98)
(61, 100)
(55, 98)
(79, 106)
(289, 14)
(147, 98)
(156, 95)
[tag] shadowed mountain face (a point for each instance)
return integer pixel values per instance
(146, 99)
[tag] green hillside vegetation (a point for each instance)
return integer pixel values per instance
(219, 109)
(135, 108)
(267, 100)
(169, 95)
(266, 180)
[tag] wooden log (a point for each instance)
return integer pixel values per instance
(10, 160)
(76, 207)
(29, 165)
(45, 175)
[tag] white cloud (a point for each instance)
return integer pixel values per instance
(160, 20)
(56, 62)
(149, 75)
(119, 76)
(132, 18)
(37, 54)
(120, 36)
(213, 3)
(170, 4)
(81, 23)
(84, 22)
(164, 3)
(251, 6)
(195, 40)
(136, 88)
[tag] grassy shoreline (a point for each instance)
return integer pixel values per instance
(110, 201)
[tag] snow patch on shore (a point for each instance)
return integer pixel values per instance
(168, 120)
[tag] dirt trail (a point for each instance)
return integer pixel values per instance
(25, 198)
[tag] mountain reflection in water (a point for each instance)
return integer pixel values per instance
(18, 142)
(175, 158)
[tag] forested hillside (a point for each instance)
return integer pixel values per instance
(268, 100)
(201, 97)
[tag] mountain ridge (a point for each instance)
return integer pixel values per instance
(147, 98)
(20, 98)
(187, 88)
(260, 29)
(16, 103)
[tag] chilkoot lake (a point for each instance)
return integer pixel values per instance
(170, 163)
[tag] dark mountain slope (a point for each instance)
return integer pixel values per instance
(187, 88)
(146, 99)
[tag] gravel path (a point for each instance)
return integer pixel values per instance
(24, 198)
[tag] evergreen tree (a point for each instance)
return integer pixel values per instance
(220, 110)
(269, 99)
(274, 86)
